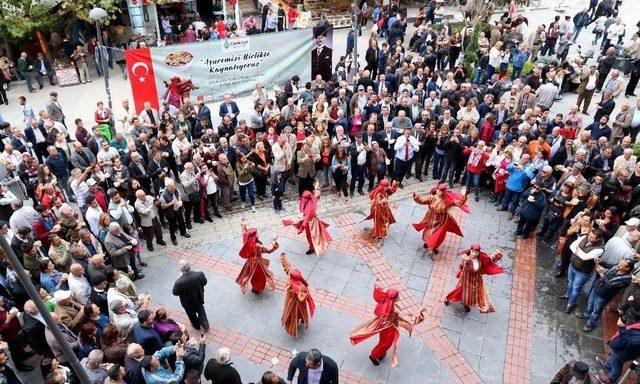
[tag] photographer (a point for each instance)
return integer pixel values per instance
(171, 205)
(120, 247)
(147, 208)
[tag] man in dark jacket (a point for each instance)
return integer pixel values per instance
(219, 369)
(625, 346)
(607, 284)
(190, 288)
(533, 202)
(309, 363)
(133, 364)
(573, 371)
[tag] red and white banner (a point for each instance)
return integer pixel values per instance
(142, 78)
(216, 67)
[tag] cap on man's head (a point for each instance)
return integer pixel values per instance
(581, 368)
(578, 165)
(633, 222)
(360, 87)
(91, 181)
(54, 93)
(60, 295)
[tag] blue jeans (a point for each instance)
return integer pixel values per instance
(249, 188)
(577, 32)
(594, 307)
(614, 365)
(476, 182)
(438, 164)
(477, 75)
(490, 72)
(27, 76)
(576, 280)
(510, 200)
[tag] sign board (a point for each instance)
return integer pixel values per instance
(67, 76)
(217, 67)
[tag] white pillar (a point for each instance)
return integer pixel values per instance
(224, 9)
(237, 15)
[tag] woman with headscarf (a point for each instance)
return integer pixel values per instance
(385, 324)
(380, 211)
(470, 289)
(437, 221)
(256, 268)
(298, 303)
(315, 229)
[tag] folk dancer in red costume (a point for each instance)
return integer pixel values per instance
(298, 303)
(256, 268)
(385, 325)
(437, 221)
(314, 228)
(380, 211)
(470, 289)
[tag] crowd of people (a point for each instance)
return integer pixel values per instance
(80, 199)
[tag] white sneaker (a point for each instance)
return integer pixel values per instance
(253, 209)
(244, 205)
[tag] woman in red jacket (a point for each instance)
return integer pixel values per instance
(488, 127)
(475, 165)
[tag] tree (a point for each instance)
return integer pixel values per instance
(19, 18)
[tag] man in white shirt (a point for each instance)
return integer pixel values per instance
(10, 155)
(124, 118)
(584, 250)
(23, 216)
(406, 147)
(94, 211)
(106, 156)
(635, 120)
(78, 284)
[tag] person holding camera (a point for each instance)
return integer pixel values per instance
(120, 247)
(147, 208)
(172, 207)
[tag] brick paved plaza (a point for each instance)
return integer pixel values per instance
(525, 340)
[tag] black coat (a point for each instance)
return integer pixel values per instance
(329, 370)
(190, 288)
(133, 371)
(34, 331)
(217, 373)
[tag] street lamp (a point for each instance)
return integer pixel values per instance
(98, 14)
(25, 279)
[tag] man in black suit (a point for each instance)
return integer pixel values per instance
(190, 288)
(313, 364)
(229, 108)
(133, 364)
(33, 329)
(321, 56)
(387, 139)
(37, 139)
(605, 106)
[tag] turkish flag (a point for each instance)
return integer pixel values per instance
(233, 2)
(141, 77)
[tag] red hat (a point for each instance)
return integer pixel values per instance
(476, 247)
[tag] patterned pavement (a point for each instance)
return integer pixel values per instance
(450, 346)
